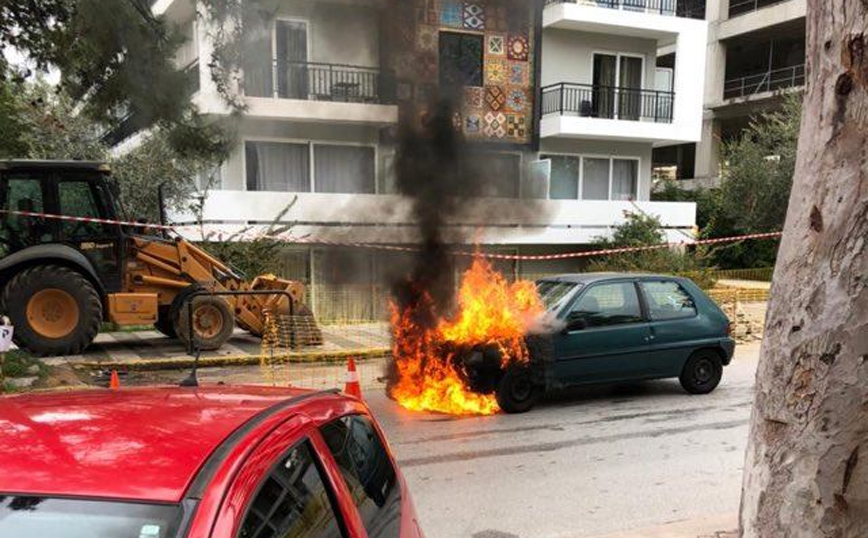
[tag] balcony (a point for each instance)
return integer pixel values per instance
(625, 104)
(692, 9)
(390, 219)
(740, 7)
(748, 86)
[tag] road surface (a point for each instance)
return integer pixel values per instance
(584, 462)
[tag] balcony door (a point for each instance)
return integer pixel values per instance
(618, 86)
(291, 58)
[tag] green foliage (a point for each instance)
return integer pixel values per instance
(705, 199)
(645, 230)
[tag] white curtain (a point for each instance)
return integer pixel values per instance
(624, 179)
(279, 167)
(595, 179)
(345, 169)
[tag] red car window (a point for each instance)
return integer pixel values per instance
(368, 472)
(293, 501)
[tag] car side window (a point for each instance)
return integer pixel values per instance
(293, 501)
(605, 305)
(367, 470)
(668, 300)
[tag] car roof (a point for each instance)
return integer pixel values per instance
(30, 164)
(591, 278)
(143, 444)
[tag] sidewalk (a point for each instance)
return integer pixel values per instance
(721, 526)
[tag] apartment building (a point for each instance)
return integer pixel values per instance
(563, 101)
(755, 55)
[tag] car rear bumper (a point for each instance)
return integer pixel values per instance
(728, 347)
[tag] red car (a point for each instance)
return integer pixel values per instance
(218, 462)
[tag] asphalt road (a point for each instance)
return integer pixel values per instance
(584, 462)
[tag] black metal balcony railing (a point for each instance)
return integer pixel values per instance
(694, 9)
(321, 82)
(589, 101)
(740, 7)
(768, 81)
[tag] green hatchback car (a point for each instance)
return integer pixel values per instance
(622, 327)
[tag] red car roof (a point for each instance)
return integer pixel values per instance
(144, 444)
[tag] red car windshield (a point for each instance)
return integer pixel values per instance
(41, 516)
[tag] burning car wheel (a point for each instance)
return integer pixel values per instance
(517, 392)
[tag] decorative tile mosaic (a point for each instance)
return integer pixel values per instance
(495, 125)
(428, 12)
(495, 98)
(516, 126)
(457, 121)
(426, 39)
(452, 13)
(495, 44)
(518, 48)
(428, 66)
(473, 124)
(474, 97)
(519, 73)
(495, 72)
(516, 100)
(474, 16)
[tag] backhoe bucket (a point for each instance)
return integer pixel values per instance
(295, 325)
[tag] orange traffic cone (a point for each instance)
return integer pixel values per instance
(115, 382)
(352, 386)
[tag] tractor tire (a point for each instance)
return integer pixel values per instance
(165, 322)
(55, 310)
(213, 322)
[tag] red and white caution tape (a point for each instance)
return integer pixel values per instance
(288, 238)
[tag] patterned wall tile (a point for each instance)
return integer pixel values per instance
(516, 100)
(495, 97)
(519, 73)
(474, 98)
(473, 124)
(474, 16)
(495, 72)
(494, 125)
(496, 17)
(427, 39)
(452, 13)
(518, 47)
(516, 126)
(428, 66)
(495, 44)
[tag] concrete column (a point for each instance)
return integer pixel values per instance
(708, 150)
(716, 10)
(715, 71)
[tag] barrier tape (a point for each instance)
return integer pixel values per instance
(373, 246)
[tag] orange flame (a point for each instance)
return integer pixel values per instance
(491, 312)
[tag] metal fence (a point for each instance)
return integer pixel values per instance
(321, 82)
(680, 8)
(609, 102)
(740, 7)
(772, 80)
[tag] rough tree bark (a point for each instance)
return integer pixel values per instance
(806, 468)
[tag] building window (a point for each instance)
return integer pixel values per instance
(286, 167)
(601, 178)
(345, 169)
(278, 166)
(461, 58)
(498, 175)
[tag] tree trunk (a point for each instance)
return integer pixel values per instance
(806, 468)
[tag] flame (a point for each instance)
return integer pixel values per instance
(491, 312)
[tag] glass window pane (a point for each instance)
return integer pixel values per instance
(368, 472)
(23, 194)
(277, 166)
(668, 300)
(292, 502)
(499, 174)
(345, 169)
(595, 179)
(565, 178)
(608, 304)
(76, 199)
(625, 179)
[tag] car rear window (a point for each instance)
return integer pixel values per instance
(367, 470)
(41, 516)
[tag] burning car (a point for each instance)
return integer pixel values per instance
(510, 342)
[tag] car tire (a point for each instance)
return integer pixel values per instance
(516, 391)
(702, 372)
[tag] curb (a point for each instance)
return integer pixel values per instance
(147, 365)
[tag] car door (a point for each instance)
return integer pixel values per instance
(606, 335)
(287, 488)
(675, 324)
